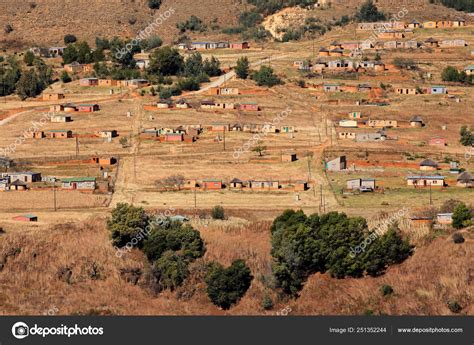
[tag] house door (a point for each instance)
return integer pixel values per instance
(74, 185)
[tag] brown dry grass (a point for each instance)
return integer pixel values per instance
(438, 271)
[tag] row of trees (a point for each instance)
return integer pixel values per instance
(304, 245)
(265, 76)
(171, 247)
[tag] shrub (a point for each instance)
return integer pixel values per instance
(169, 271)
(368, 12)
(65, 78)
(166, 61)
(68, 39)
(154, 4)
(29, 58)
(454, 306)
(173, 236)
(192, 24)
(461, 214)
(8, 28)
(458, 238)
(266, 77)
(218, 213)
(467, 137)
(126, 223)
(226, 286)
(242, 69)
(386, 290)
(267, 303)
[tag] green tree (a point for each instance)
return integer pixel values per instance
(226, 286)
(212, 67)
(28, 85)
(173, 236)
(126, 223)
(461, 215)
(243, 68)
(259, 148)
(70, 54)
(169, 271)
(29, 58)
(218, 212)
(166, 61)
(193, 65)
(65, 78)
(368, 12)
(84, 54)
(467, 137)
(266, 77)
(154, 4)
(450, 74)
(68, 39)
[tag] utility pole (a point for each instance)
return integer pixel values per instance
(320, 198)
(224, 138)
(77, 146)
(195, 202)
(431, 196)
(54, 193)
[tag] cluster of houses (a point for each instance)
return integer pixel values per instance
(251, 128)
(50, 52)
(431, 90)
(132, 83)
(206, 45)
(356, 120)
(252, 185)
(184, 133)
(243, 106)
(414, 24)
(340, 65)
(71, 108)
(22, 181)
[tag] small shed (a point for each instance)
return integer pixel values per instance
(444, 218)
(416, 121)
(88, 108)
(26, 218)
(212, 184)
(428, 164)
(289, 157)
(465, 180)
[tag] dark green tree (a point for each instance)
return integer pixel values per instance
(461, 215)
(65, 78)
(467, 137)
(226, 286)
(70, 54)
(193, 65)
(68, 39)
(166, 61)
(243, 68)
(154, 4)
(368, 12)
(212, 67)
(126, 223)
(169, 271)
(266, 77)
(218, 212)
(29, 85)
(29, 58)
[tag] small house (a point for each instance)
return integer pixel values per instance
(56, 108)
(164, 104)
(348, 123)
(331, 88)
(249, 106)
(53, 96)
(323, 51)
(469, 70)
(106, 133)
(69, 107)
(382, 123)
(301, 186)
(425, 181)
(437, 90)
(453, 43)
(355, 115)
(414, 24)
(406, 90)
(458, 22)
(182, 104)
(36, 135)
(236, 184)
(264, 185)
(337, 164)
(422, 221)
(289, 157)
(107, 82)
(61, 118)
(444, 218)
(465, 180)
(428, 165)
(347, 135)
(27, 176)
(371, 137)
(360, 182)
(438, 142)
(287, 129)
(79, 183)
(88, 108)
(416, 121)
(89, 82)
(220, 127)
(26, 218)
(429, 25)
(60, 134)
(212, 184)
(431, 42)
(17, 185)
(174, 137)
(240, 45)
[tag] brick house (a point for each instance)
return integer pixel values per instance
(382, 123)
(61, 118)
(406, 90)
(331, 88)
(361, 182)
(338, 164)
(79, 183)
(173, 137)
(89, 82)
(60, 134)
(428, 165)
(56, 108)
(106, 133)
(220, 127)
(249, 106)
(69, 107)
(437, 142)
(426, 181)
(240, 45)
(53, 96)
(264, 185)
(26, 218)
(212, 184)
(88, 108)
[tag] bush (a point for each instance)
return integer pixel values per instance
(8, 28)
(169, 271)
(192, 24)
(461, 214)
(218, 213)
(467, 137)
(454, 306)
(68, 39)
(166, 61)
(173, 236)
(65, 78)
(242, 69)
(458, 238)
(386, 290)
(29, 58)
(267, 303)
(266, 77)
(226, 286)
(304, 245)
(368, 12)
(154, 4)
(126, 223)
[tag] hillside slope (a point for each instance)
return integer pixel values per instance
(47, 21)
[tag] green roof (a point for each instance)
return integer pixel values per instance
(78, 179)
